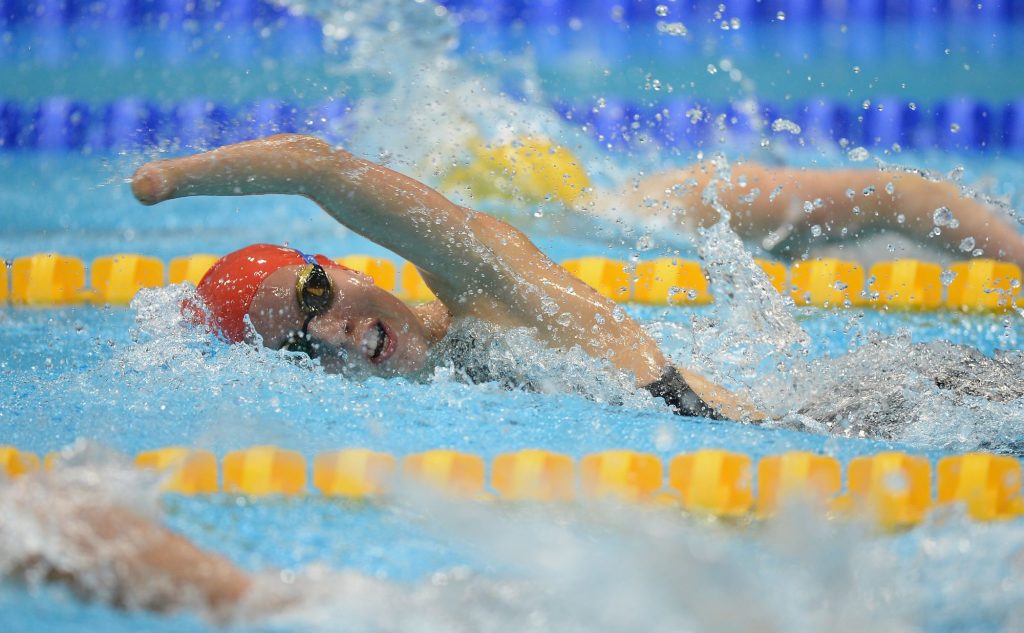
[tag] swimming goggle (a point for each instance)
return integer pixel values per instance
(314, 292)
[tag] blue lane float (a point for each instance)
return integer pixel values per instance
(960, 123)
(533, 11)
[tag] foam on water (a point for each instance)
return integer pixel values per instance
(573, 568)
(421, 108)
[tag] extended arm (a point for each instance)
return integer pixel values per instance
(106, 552)
(844, 204)
(385, 206)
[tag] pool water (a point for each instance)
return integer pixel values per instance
(132, 379)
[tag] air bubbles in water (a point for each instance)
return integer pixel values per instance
(785, 125)
(858, 154)
(967, 244)
(942, 216)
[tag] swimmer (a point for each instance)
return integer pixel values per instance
(58, 529)
(478, 266)
(778, 208)
(782, 211)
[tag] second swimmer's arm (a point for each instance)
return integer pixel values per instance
(844, 204)
(113, 554)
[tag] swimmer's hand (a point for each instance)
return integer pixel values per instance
(150, 184)
(732, 406)
(57, 533)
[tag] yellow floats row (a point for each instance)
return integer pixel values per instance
(894, 489)
(980, 284)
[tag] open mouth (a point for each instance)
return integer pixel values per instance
(378, 343)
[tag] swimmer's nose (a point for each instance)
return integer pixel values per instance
(334, 332)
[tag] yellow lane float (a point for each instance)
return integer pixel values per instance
(450, 471)
(621, 475)
(983, 284)
(188, 472)
(892, 488)
(47, 279)
(607, 276)
(712, 481)
(382, 271)
(907, 284)
(796, 476)
(414, 289)
(117, 278)
(988, 485)
(776, 272)
(5, 282)
(670, 281)
(265, 470)
(534, 475)
(353, 472)
(14, 463)
(826, 282)
(190, 268)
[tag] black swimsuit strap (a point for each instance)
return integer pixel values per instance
(674, 390)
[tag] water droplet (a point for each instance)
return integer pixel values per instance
(890, 188)
(954, 128)
(661, 10)
(967, 244)
(712, 69)
(838, 285)
(942, 216)
(675, 29)
(858, 154)
(900, 218)
(781, 16)
(947, 277)
(785, 125)
(850, 193)
(644, 243)
(816, 230)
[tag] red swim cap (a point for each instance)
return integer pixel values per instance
(228, 288)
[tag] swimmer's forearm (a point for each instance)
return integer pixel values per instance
(110, 553)
(970, 223)
(153, 568)
(385, 206)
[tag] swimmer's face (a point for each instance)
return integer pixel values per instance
(366, 330)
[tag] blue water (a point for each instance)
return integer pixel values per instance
(126, 380)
